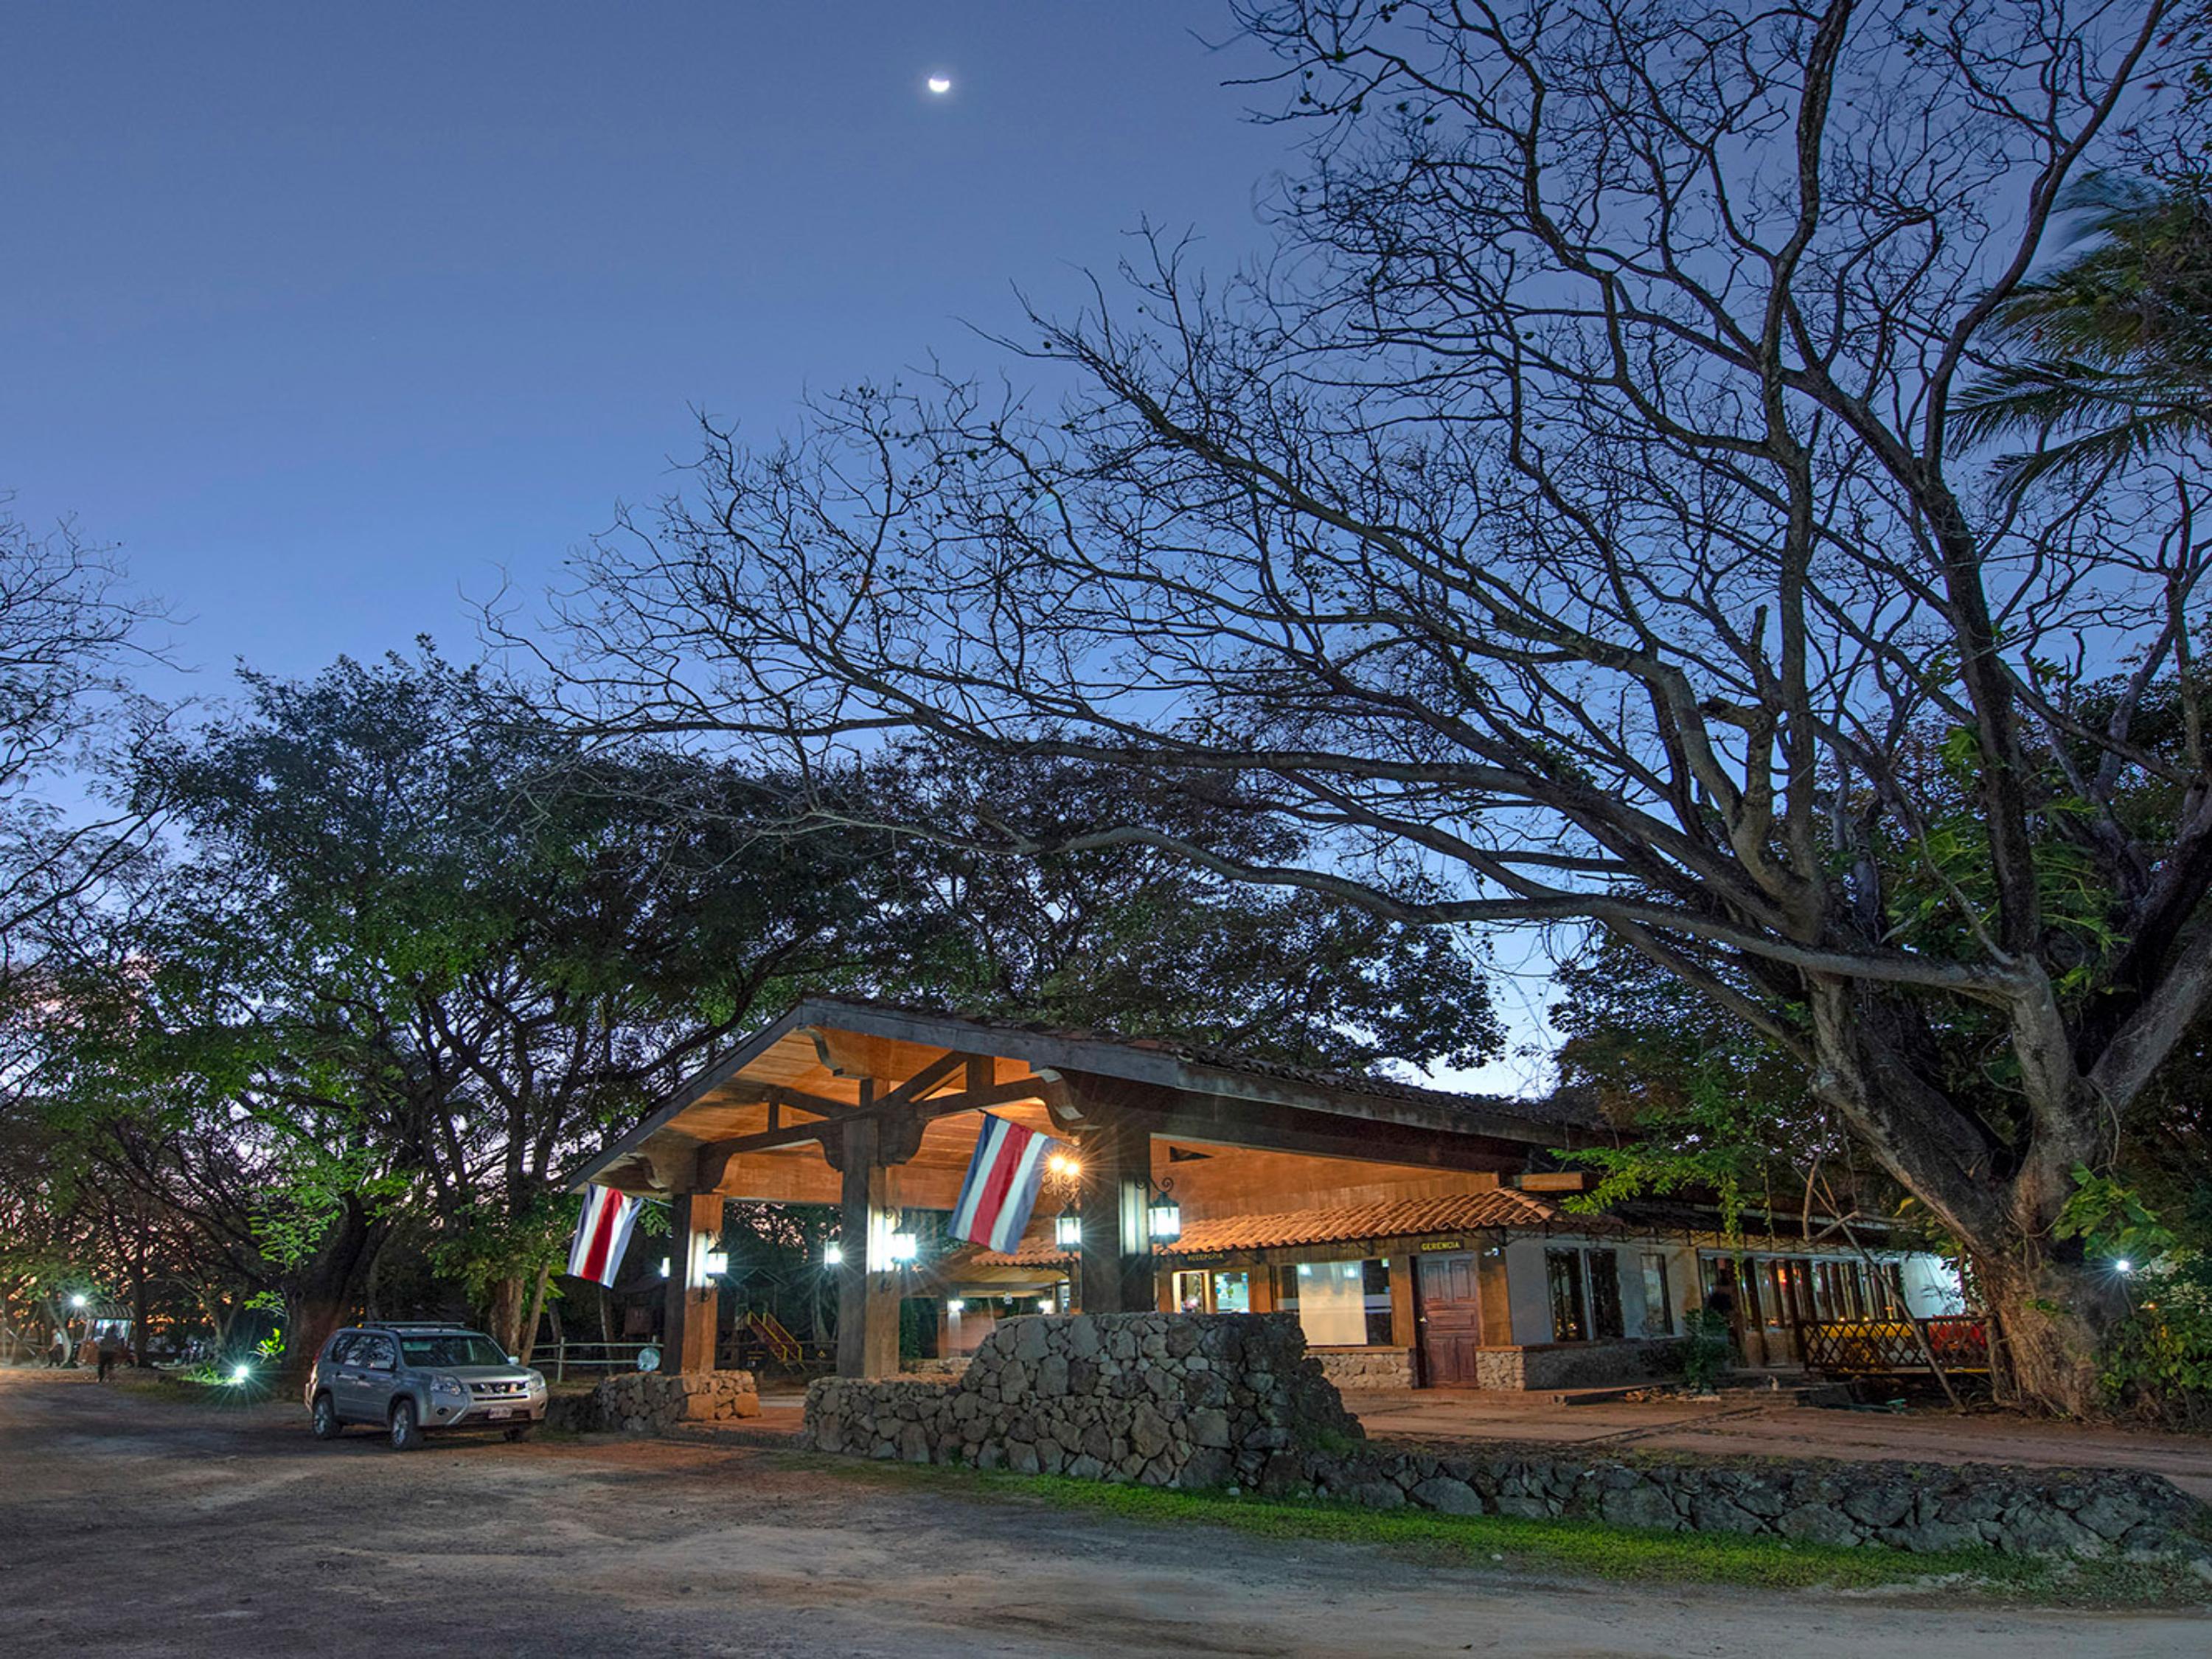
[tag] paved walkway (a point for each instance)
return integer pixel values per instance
(1744, 1423)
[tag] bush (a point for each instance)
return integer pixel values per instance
(1704, 1351)
(2159, 1363)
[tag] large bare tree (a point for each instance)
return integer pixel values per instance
(1568, 525)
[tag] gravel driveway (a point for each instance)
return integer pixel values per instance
(130, 1525)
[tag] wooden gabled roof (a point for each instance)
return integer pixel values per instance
(839, 1054)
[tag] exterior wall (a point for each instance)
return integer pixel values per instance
(1352, 1370)
(1573, 1364)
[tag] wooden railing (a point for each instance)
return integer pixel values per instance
(562, 1358)
(1874, 1347)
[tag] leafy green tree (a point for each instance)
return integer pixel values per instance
(1132, 938)
(420, 950)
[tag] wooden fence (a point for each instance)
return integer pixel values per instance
(1881, 1348)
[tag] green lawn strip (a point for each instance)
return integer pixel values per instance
(1577, 1548)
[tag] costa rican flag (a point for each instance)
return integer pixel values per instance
(602, 1231)
(1001, 1188)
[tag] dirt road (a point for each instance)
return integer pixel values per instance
(133, 1526)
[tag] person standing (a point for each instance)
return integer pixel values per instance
(110, 1345)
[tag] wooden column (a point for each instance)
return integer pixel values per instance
(1261, 1276)
(1405, 1330)
(868, 1284)
(694, 1302)
(1117, 1250)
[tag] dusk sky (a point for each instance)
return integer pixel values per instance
(331, 318)
(327, 315)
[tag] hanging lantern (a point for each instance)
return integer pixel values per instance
(1067, 1230)
(1163, 1218)
(833, 1255)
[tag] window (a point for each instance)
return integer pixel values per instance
(1601, 1269)
(1339, 1304)
(1563, 1275)
(1232, 1293)
(444, 1351)
(1658, 1299)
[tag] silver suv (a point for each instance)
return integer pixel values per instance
(406, 1379)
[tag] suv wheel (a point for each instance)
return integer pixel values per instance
(521, 1431)
(327, 1425)
(406, 1431)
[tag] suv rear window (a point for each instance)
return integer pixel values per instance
(458, 1349)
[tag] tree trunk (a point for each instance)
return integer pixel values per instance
(527, 1342)
(2048, 1320)
(2049, 1310)
(504, 1316)
(139, 1302)
(322, 1291)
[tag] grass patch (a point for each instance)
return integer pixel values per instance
(1582, 1549)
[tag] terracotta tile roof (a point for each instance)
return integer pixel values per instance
(1500, 1206)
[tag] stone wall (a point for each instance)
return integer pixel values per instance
(1574, 1365)
(1908, 1507)
(654, 1402)
(1352, 1370)
(1189, 1400)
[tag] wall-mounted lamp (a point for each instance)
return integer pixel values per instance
(904, 1248)
(1164, 1216)
(833, 1255)
(664, 1266)
(716, 1262)
(1062, 1163)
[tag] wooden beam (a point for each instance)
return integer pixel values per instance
(715, 1156)
(1213, 1120)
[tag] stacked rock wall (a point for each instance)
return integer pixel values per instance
(654, 1402)
(1188, 1399)
(1908, 1507)
(1353, 1369)
(1192, 1400)
(1574, 1365)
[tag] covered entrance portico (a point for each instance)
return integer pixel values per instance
(876, 1110)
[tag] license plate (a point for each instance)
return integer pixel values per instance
(498, 1411)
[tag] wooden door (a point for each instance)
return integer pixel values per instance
(1451, 1319)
